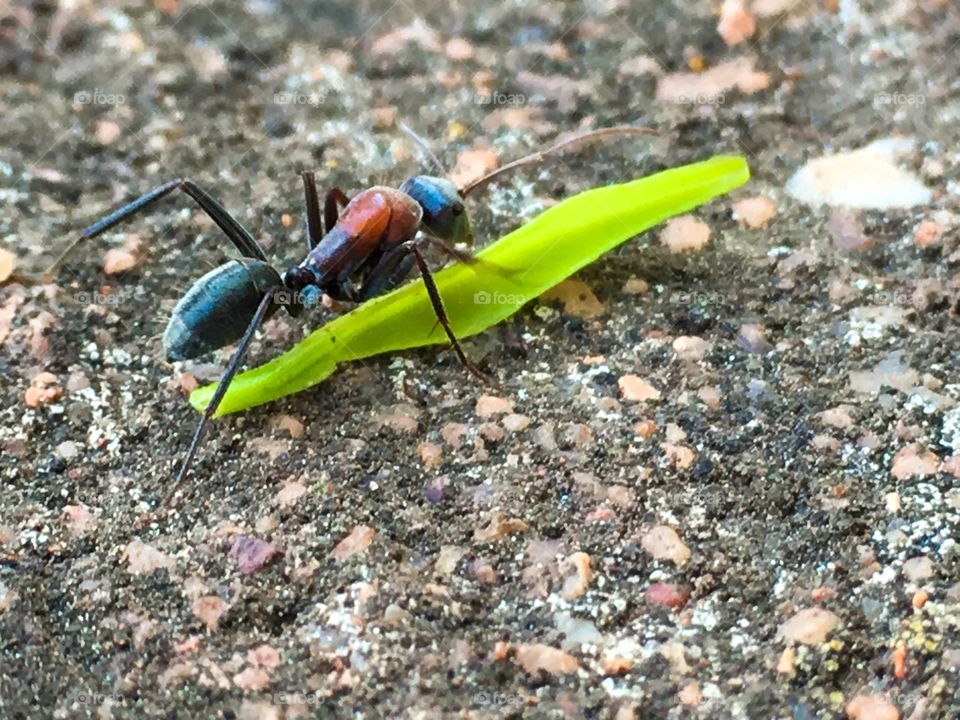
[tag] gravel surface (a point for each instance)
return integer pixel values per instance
(720, 480)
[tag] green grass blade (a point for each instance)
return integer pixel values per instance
(515, 270)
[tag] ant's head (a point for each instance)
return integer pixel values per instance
(444, 214)
(302, 282)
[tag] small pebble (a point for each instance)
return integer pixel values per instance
(490, 405)
(662, 542)
(290, 424)
(119, 260)
(752, 338)
(356, 542)
(576, 585)
(536, 657)
(44, 388)
(453, 434)
(868, 178)
(143, 559)
(918, 568)
(473, 165)
(67, 450)
(107, 132)
(289, 494)
(577, 298)
(691, 349)
(911, 462)
(252, 554)
(430, 454)
(710, 395)
(515, 423)
(736, 23)
(690, 695)
(636, 389)
(787, 662)
(645, 428)
(208, 609)
(616, 666)
(666, 595)
(871, 707)
(685, 234)
(491, 431)
(636, 286)
(928, 233)
(459, 49)
(809, 627)
(7, 263)
(755, 212)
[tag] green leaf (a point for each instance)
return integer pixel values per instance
(513, 271)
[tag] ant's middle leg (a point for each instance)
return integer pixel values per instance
(237, 234)
(334, 200)
(392, 269)
(314, 223)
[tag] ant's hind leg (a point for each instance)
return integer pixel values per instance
(237, 234)
(222, 386)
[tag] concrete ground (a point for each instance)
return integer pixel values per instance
(719, 483)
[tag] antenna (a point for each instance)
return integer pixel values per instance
(424, 146)
(555, 149)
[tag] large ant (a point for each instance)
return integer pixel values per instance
(359, 248)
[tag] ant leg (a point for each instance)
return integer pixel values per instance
(238, 235)
(221, 390)
(334, 200)
(314, 223)
(438, 308)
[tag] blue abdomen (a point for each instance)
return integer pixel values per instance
(216, 311)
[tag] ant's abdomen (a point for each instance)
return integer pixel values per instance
(217, 309)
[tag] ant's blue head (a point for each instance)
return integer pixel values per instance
(443, 212)
(301, 289)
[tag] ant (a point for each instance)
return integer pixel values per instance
(358, 248)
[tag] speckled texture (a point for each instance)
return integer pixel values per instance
(782, 508)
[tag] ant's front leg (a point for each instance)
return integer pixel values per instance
(391, 270)
(237, 234)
